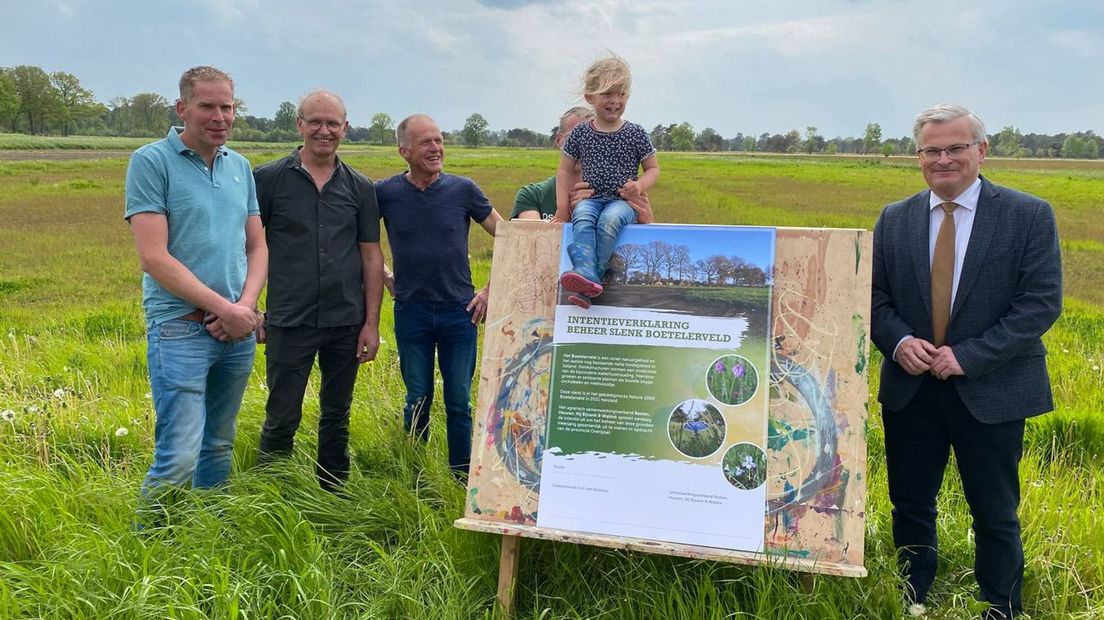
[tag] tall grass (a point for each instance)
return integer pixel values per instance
(76, 437)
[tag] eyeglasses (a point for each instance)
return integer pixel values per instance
(315, 124)
(953, 151)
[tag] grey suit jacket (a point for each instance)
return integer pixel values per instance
(1009, 294)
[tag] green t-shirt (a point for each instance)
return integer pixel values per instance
(539, 197)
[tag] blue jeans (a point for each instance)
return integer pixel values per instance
(421, 328)
(595, 226)
(197, 385)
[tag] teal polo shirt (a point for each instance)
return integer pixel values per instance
(206, 209)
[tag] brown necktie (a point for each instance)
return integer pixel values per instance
(942, 274)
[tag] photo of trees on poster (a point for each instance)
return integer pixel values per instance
(689, 269)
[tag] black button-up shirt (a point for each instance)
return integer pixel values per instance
(314, 262)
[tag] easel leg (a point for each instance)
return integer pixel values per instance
(807, 581)
(507, 575)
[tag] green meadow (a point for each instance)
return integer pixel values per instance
(76, 432)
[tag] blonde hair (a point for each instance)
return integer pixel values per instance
(202, 73)
(606, 74)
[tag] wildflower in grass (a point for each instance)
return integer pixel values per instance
(121, 431)
(7, 415)
(731, 380)
(916, 610)
(33, 409)
(744, 466)
(149, 395)
(59, 393)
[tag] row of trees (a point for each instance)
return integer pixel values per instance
(1010, 142)
(659, 262)
(36, 102)
(682, 137)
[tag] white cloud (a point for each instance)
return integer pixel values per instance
(735, 66)
(790, 38)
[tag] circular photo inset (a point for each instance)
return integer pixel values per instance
(732, 379)
(745, 466)
(696, 428)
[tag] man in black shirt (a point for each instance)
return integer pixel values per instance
(325, 284)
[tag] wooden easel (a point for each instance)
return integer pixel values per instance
(819, 316)
(510, 553)
(507, 575)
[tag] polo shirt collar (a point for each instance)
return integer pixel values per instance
(179, 146)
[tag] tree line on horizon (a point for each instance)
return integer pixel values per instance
(35, 102)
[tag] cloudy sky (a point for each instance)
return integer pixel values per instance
(734, 65)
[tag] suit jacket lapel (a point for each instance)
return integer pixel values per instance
(919, 224)
(985, 225)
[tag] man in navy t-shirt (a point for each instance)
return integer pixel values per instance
(427, 214)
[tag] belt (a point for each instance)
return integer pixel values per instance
(195, 316)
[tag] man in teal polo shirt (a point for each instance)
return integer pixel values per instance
(192, 209)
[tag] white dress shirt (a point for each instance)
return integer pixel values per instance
(964, 224)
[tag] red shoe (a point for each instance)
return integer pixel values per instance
(576, 283)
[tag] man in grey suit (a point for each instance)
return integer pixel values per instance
(967, 278)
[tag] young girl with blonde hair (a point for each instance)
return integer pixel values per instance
(610, 151)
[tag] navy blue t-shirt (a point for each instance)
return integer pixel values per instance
(428, 234)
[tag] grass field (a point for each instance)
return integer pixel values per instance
(76, 434)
